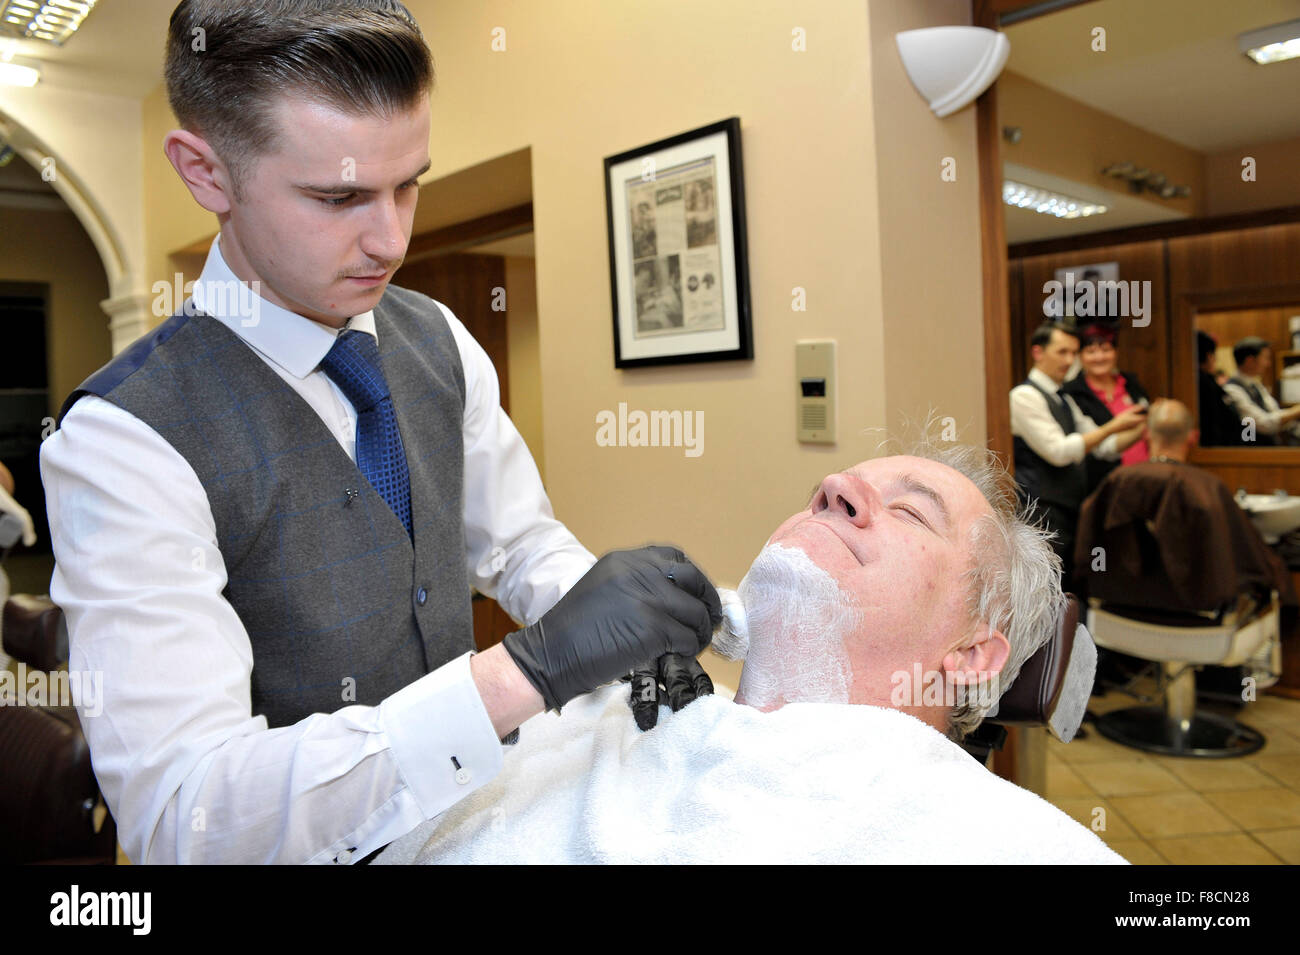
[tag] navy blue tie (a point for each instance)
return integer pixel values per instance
(353, 364)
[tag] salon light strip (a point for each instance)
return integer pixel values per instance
(52, 20)
(1047, 202)
(1276, 52)
(1272, 44)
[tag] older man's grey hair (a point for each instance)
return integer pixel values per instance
(1013, 577)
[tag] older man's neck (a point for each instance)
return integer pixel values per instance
(932, 716)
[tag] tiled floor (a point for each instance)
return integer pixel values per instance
(1155, 809)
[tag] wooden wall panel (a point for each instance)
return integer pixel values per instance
(1238, 259)
(1145, 350)
(1019, 321)
(1258, 470)
(466, 284)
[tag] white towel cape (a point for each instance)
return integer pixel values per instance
(722, 783)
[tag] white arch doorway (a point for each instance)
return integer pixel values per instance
(121, 249)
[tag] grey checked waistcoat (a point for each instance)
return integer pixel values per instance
(340, 606)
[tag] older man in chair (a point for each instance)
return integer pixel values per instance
(1210, 550)
(883, 621)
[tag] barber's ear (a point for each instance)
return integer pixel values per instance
(984, 653)
(199, 167)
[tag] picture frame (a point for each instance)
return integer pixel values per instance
(1077, 298)
(678, 253)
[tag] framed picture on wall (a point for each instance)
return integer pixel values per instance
(678, 261)
(1082, 293)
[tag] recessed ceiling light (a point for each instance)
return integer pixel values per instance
(1047, 202)
(1272, 44)
(50, 20)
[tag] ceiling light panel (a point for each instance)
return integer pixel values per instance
(50, 20)
(1272, 44)
(1047, 202)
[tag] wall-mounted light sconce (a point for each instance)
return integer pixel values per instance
(1140, 179)
(951, 66)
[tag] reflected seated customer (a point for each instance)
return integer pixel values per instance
(1207, 551)
(884, 620)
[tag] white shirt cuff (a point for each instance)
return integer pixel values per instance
(441, 736)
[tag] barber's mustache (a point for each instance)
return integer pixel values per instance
(362, 272)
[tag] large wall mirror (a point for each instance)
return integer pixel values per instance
(1269, 380)
(1264, 384)
(1173, 156)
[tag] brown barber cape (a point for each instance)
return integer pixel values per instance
(1155, 515)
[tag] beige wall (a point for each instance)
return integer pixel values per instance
(1071, 139)
(1068, 138)
(930, 259)
(52, 247)
(831, 169)
(94, 140)
(1277, 178)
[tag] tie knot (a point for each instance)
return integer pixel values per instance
(352, 363)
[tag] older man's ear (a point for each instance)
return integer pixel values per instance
(982, 654)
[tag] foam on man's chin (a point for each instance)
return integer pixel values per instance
(798, 619)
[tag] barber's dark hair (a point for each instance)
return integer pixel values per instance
(1205, 346)
(1248, 348)
(227, 60)
(1043, 333)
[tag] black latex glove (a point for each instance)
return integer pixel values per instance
(632, 606)
(683, 679)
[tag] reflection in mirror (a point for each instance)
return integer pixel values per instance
(1249, 377)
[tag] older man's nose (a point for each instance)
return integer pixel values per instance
(849, 495)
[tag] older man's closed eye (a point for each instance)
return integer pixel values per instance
(879, 618)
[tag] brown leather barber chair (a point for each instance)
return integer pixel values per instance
(1051, 689)
(1186, 582)
(51, 809)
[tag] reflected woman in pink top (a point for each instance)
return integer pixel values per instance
(1102, 391)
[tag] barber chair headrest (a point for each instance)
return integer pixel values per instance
(34, 632)
(1053, 686)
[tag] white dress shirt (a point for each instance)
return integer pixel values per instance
(1268, 419)
(189, 773)
(1032, 421)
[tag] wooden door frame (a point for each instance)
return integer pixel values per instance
(993, 267)
(992, 14)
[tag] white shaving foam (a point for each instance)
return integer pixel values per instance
(797, 620)
(731, 639)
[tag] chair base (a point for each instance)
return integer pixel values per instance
(1205, 735)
